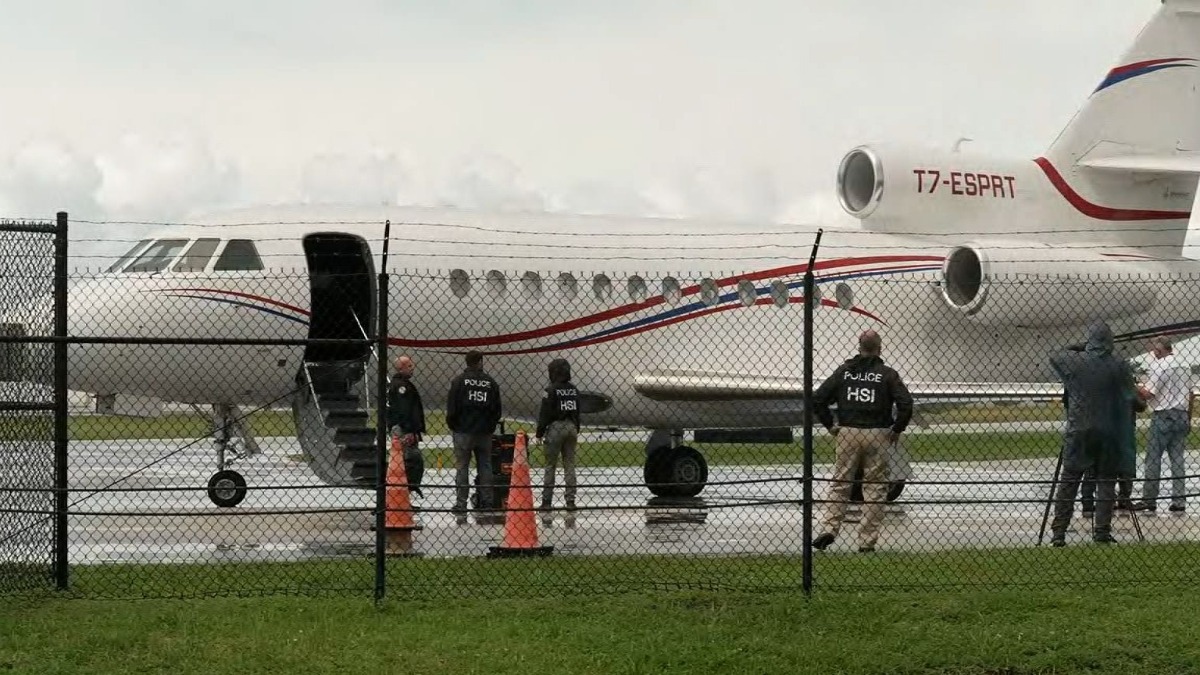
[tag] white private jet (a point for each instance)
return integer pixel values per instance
(940, 232)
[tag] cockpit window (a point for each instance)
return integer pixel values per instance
(239, 255)
(128, 255)
(158, 256)
(197, 256)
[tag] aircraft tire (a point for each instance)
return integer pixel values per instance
(227, 488)
(687, 468)
(655, 472)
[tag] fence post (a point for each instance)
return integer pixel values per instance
(61, 503)
(381, 431)
(806, 541)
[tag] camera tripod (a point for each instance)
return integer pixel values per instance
(1137, 526)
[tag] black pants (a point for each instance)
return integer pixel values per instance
(1094, 451)
(1087, 490)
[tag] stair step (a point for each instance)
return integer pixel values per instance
(338, 402)
(354, 435)
(357, 453)
(346, 418)
(363, 473)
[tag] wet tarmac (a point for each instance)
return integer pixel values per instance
(162, 512)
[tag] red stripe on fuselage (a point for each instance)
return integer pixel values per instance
(658, 300)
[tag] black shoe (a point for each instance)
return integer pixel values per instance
(1124, 505)
(1104, 539)
(866, 549)
(1058, 542)
(1143, 506)
(821, 542)
(1178, 508)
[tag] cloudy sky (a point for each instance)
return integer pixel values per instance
(721, 108)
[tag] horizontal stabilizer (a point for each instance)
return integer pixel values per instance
(1177, 163)
(689, 385)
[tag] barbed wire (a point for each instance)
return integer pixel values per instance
(694, 227)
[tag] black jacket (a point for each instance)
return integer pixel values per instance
(559, 402)
(404, 407)
(473, 404)
(865, 391)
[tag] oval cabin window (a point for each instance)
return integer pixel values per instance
(637, 289)
(747, 293)
(708, 292)
(460, 283)
(602, 287)
(496, 283)
(779, 293)
(671, 291)
(531, 283)
(567, 285)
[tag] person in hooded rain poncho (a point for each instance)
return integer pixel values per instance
(1098, 386)
(1126, 466)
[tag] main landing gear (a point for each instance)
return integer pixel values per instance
(231, 436)
(673, 470)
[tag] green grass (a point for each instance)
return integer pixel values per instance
(279, 423)
(561, 615)
(922, 447)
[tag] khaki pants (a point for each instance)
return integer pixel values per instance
(561, 440)
(868, 447)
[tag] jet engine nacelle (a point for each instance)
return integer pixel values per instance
(924, 187)
(1015, 284)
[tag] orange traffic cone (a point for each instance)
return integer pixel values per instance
(520, 527)
(398, 520)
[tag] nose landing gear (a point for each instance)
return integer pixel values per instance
(226, 487)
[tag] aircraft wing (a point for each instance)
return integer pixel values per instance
(692, 385)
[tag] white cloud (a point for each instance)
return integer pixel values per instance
(44, 177)
(378, 177)
(163, 178)
(488, 181)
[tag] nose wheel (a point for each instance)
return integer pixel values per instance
(227, 488)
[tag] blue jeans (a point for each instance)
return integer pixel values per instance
(1168, 432)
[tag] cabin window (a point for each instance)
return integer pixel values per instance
(779, 293)
(496, 283)
(709, 294)
(747, 293)
(158, 256)
(197, 256)
(671, 291)
(567, 285)
(637, 289)
(239, 255)
(844, 296)
(128, 255)
(460, 283)
(531, 284)
(602, 287)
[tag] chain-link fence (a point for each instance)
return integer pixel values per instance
(32, 446)
(224, 437)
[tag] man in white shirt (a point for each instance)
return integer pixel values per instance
(1167, 392)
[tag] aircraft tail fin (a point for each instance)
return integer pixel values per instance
(1135, 143)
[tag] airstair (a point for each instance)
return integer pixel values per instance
(333, 423)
